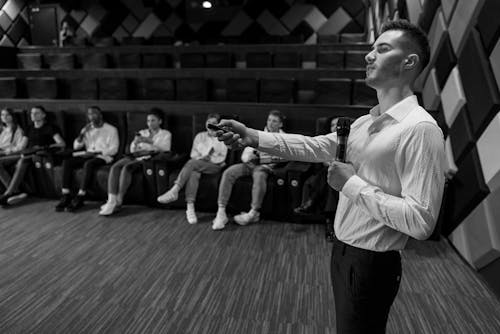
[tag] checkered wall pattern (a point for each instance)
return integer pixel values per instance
(461, 86)
(167, 18)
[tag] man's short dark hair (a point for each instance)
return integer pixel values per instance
(214, 115)
(415, 35)
(157, 113)
(96, 108)
(278, 114)
(40, 108)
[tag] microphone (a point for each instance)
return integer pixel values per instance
(343, 129)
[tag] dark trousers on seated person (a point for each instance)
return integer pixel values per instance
(89, 167)
(365, 284)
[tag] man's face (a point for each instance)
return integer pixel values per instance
(37, 115)
(153, 122)
(94, 116)
(274, 123)
(385, 63)
(213, 121)
(6, 117)
(333, 125)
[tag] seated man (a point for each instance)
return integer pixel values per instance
(208, 156)
(316, 186)
(40, 135)
(100, 141)
(257, 164)
(151, 139)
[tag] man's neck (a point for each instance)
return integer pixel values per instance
(388, 97)
(98, 125)
(38, 124)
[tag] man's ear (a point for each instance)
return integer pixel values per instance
(411, 61)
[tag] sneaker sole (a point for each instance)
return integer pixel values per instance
(16, 199)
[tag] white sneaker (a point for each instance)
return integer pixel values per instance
(107, 209)
(219, 222)
(246, 218)
(168, 197)
(191, 217)
(16, 198)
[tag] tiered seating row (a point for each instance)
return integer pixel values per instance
(301, 86)
(299, 56)
(183, 120)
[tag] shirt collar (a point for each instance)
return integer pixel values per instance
(398, 111)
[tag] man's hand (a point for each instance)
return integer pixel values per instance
(339, 173)
(237, 135)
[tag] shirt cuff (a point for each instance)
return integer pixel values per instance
(352, 188)
(266, 139)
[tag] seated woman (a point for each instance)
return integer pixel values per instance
(154, 138)
(208, 156)
(66, 34)
(12, 141)
(40, 134)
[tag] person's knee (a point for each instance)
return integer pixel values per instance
(259, 176)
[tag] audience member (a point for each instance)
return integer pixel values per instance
(66, 34)
(316, 186)
(41, 135)
(208, 156)
(100, 143)
(152, 139)
(258, 164)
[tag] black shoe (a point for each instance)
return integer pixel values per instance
(307, 207)
(63, 203)
(3, 200)
(76, 203)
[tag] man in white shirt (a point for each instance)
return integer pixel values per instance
(100, 143)
(258, 164)
(392, 187)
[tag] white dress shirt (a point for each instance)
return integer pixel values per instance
(205, 146)
(11, 145)
(162, 141)
(399, 161)
(103, 139)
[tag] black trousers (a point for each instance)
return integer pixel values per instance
(89, 166)
(365, 284)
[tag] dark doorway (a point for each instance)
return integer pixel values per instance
(43, 22)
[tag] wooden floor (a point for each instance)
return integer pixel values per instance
(148, 271)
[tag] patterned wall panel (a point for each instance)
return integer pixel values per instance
(465, 14)
(452, 96)
(488, 149)
(168, 18)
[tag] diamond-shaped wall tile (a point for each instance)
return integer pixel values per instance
(295, 15)
(414, 10)
(277, 7)
(13, 8)
(17, 30)
(436, 32)
(488, 24)
(23, 42)
(452, 96)
(25, 14)
(162, 10)
(97, 12)
(89, 25)
(147, 27)
(489, 153)
(328, 7)
(271, 24)
(120, 33)
(315, 19)
(173, 22)
(136, 8)
(448, 6)
(5, 41)
(430, 93)
(130, 23)
(78, 15)
(335, 23)
(465, 13)
(237, 25)
(5, 21)
(495, 62)
(2, 2)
